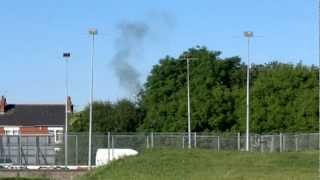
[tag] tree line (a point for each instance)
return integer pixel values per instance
(283, 98)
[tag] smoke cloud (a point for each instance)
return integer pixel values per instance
(127, 47)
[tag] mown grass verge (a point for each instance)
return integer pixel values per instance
(22, 178)
(164, 164)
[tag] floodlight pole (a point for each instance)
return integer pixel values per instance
(248, 35)
(319, 71)
(189, 106)
(92, 32)
(189, 109)
(66, 56)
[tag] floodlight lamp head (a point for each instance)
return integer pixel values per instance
(66, 55)
(248, 34)
(186, 56)
(93, 31)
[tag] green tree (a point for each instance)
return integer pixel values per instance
(283, 98)
(121, 116)
(211, 82)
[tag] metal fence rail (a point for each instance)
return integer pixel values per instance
(44, 150)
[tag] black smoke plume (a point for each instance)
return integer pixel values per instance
(127, 45)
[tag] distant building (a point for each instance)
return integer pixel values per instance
(33, 119)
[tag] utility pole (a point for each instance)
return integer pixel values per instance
(93, 32)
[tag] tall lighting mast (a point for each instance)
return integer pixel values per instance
(189, 109)
(66, 56)
(188, 59)
(248, 35)
(319, 71)
(93, 32)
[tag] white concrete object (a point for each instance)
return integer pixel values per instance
(105, 156)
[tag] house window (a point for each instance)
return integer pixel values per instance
(59, 136)
(11, 131)
(51, 132)
(15, 132)
(57, 133)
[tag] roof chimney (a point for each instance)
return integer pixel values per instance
(3, 104)
(69, 105)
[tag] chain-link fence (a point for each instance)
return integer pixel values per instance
(46, 150)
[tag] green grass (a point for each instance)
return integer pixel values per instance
(164, 164)
(22, 178)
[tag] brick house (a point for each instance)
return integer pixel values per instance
(33, 119)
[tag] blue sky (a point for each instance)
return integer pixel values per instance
(35, 33)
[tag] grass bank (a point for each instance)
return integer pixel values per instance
(21, 178)
(164, 164)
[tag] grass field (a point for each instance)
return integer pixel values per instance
(207, 165)
(22, 178)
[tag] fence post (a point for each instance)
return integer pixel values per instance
(218, 143)
(20, 157)
(250, 142)
(77, 150)
(280, 140)
(8, 154)
(112, 145)
(238, 141)
(152, 140)
(183, 141)
(47, 146)
(262, 143)
(309, 144)
(296, 142)
(283, 143)
(147, 141)
(37, 151)
(272, 143)
(195, 140)
(108, 147)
